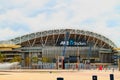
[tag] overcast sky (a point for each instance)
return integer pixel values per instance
(19, 17)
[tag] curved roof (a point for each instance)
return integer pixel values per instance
(24, 38)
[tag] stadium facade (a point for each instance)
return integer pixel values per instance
(50, 44)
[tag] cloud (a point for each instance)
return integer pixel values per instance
(8, 33)
(25, 16)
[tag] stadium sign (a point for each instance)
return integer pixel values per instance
(72, 42)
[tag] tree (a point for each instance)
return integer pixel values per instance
(44, 59)
(27, 61)
(35, 59)
(16, 59)
(2, 57)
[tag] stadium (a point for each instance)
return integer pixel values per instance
(77, 46)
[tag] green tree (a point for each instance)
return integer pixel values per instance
(16, 59)
(2, 57)
(44, 59)
(27, 61)
(35, 59)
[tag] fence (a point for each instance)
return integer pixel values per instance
(70, 66)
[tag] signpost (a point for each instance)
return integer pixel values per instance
(117, 57)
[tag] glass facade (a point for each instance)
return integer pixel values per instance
(82, 52)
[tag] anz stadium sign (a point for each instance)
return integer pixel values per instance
(72, 42)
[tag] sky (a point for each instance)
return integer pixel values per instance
(20, 17)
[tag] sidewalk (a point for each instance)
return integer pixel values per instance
(28, 74)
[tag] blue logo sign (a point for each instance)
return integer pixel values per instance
(72, 42)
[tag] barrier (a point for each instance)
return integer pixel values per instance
(94, 77)
(46, 66)
(111, 77)
(60, 78)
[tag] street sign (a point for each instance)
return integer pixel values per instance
(116, 57)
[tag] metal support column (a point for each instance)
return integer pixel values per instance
(119, 60)
(23, 59)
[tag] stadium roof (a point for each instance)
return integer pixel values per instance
(21, 39)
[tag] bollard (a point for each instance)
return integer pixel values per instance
(111, 77)
(60, 78)
(94, 77)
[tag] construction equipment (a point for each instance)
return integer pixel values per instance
(60, 61)
(65, 45)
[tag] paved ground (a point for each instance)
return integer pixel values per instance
(53, 74)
